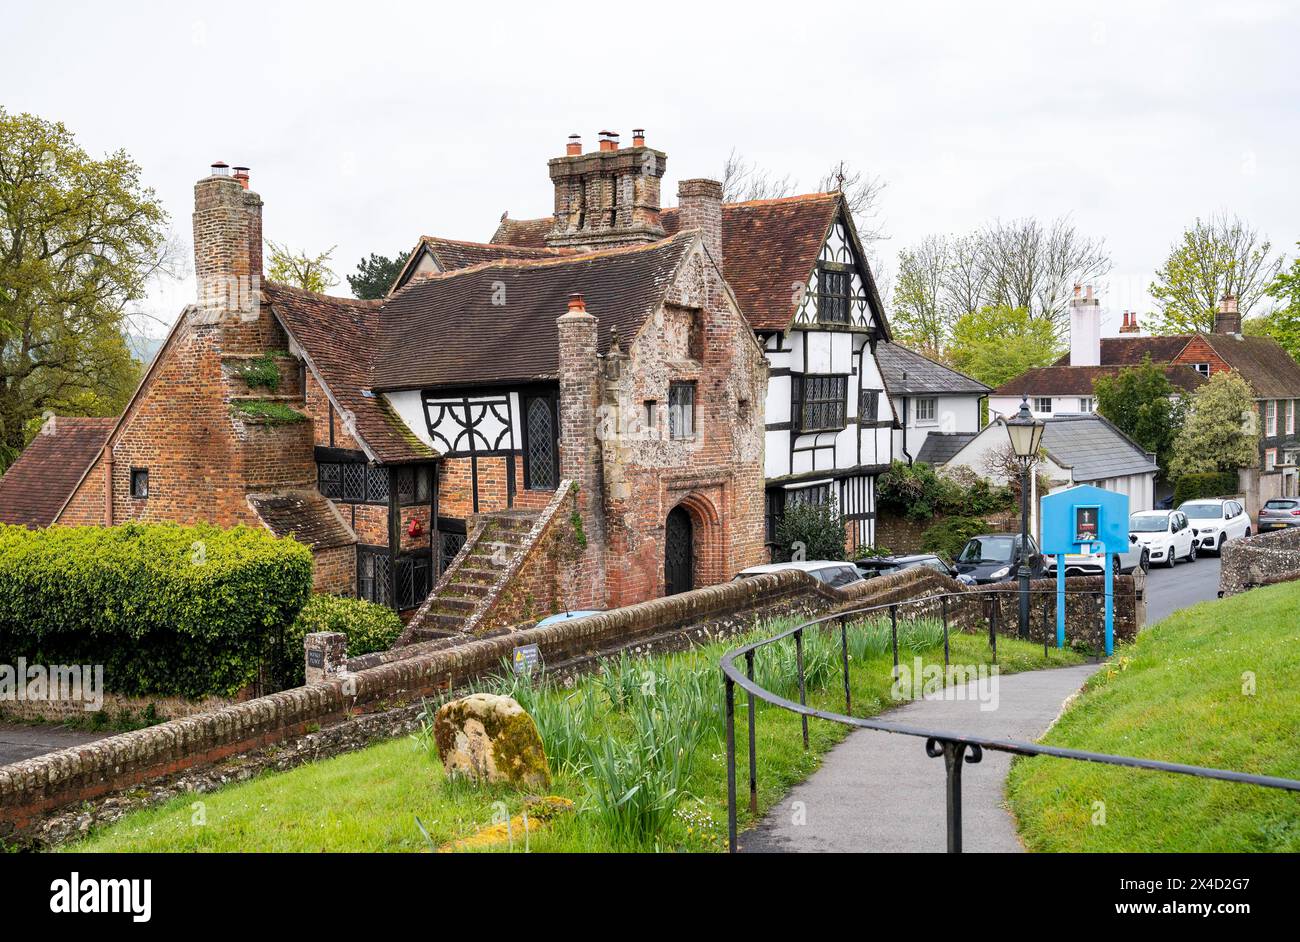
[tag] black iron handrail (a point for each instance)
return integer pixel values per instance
(957, 749)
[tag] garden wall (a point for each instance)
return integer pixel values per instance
(1259, 560)
(901, 535)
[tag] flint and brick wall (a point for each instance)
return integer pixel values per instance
(1265, 559)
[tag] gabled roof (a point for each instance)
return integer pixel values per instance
(908, 373)
(338, 337)
(305, 515)
(495, 323)
(1093, 448)
(451, 254)
(1129, 351)
(938, 447)
(39, 483)
(1078, 380)
(768, 247)
(1262, 361)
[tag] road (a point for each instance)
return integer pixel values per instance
(1186, 584)
(21, 741)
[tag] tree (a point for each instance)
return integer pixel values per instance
(1283, 322)
(922, 317)
(1034, 267)
(376, 275)
(1221, 432)
(1145, 406)
(810, 531)
(997, 343)
(1217, 256)
(1019, 264)
(79, 239)
(308, 272)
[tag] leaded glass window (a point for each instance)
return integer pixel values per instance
(543, 472)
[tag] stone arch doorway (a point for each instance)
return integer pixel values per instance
(679, 552)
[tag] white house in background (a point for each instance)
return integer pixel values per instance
(932, 402)
(1078, 449)
(1066, 387)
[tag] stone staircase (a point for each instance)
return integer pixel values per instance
(474, 578)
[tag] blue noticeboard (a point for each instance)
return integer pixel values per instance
(1083, 519)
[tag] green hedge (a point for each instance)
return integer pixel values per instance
(168, 610)
(369, 628)
(1200, 484)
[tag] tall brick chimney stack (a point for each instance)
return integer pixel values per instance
(1228, 318)
(699, 206)
(607, 197)
(579, 369)
(227, 244)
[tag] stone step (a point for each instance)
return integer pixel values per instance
(453, 605)
(438, 624)
(467, 589)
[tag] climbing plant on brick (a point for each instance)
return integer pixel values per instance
(168, 610)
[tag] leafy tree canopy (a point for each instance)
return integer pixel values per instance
(1216, 256)
(1283, 322)
(996, 343)
(79, 239)
(1144, 405)
(301, 270)
(1221, 432)
(375, 275)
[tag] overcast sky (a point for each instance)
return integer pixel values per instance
(367, 124)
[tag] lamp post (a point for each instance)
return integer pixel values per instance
(1026, 433)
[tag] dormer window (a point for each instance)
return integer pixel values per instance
(834, 296)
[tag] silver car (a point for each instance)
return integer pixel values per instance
(1093, 564)
(1280, 513)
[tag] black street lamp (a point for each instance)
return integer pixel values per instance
(1026, 433)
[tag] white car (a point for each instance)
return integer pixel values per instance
(834, 573)
(1137, 556)
(1166, 534)
(1215, 522)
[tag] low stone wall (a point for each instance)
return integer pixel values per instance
(1085, 611)
(117, 707)
(1259, 560)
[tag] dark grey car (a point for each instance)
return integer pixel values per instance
(1280, 513)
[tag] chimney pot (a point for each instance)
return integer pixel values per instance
(577, 304)
(220, 169)
(1088, 292)
(1077, 288)
(609, 140)
(638, 137)
(574, 147)
(1228, 319)
(241, 174)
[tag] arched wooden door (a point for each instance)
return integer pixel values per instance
(679, 552)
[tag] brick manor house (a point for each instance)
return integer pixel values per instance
(641, 390)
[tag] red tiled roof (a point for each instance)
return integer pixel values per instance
(447, 330)
(39, 483)
(1130, 351)
(339, 337)
(1262, 361)
(1078, 380)
(768, 247)
(452, 254)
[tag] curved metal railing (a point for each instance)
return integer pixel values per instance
(957, 749)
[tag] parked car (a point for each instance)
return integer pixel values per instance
(1136, 556)
(1279, 514)
(888, 565)
(1215, 522)
(1166, 534)
(834, 573)
(995, 557)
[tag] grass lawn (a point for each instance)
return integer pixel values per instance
(653, 725)
(1180, 693)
